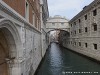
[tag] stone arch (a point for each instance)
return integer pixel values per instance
(56, 29)
(10, 43)
(66, 33)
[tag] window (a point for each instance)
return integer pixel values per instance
(74, 23)
(75, 31)
(79, 20)
(71, 42)
(79, 30)
(62, 23)
(75, 43)
(86, 29)
(95, 46)
(79, 43)
(95, 27)
(37, 23)
(85, 17)
(33, 19)
(71, 25)
(71, 33)
(27, 11)
(53, 23)
(86, 45)
(94, 12)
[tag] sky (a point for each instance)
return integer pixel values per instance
(66, 8)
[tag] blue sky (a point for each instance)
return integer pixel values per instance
(66, 8)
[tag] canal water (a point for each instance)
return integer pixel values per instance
(61, 61)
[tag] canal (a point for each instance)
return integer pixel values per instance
(60, 61)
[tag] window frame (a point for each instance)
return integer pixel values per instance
(86, 29)
(95, 46)
(79, 20)
(85, 17)
(79, 43)
(94, 12)
(79, 30)
(86, 45)
(95, 27)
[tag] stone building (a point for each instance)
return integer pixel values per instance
(85, 31)
(20, 36)
(44, 17)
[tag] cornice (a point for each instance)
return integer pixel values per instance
(85, 9)
(7, 9)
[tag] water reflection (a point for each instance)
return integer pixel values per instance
(55, 56)
(55, 60)
(59, 60)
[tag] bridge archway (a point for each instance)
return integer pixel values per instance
(59, 32)
(56, 30)
(9, 46)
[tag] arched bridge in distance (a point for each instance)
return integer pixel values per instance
(58, 24)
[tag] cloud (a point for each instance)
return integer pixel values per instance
(68, 8)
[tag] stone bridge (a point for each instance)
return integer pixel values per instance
(57, 23)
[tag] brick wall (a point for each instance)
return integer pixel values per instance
(30, 15)
(18, 6)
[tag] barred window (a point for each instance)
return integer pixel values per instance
(94, 12)
(79, 43)
(79, 30)
(85, 17)
(86, 29)
(86, 45)
(95, 46)
(79, 20)
(95, 27)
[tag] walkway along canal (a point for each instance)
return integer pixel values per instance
(60, 61)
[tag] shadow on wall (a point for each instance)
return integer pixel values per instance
(63, 37)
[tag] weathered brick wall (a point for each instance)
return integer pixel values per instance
(36, 8)
(18, 6)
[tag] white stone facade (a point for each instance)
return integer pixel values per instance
(44, 16)
(57, 22)
(24, 42)
(85, 31)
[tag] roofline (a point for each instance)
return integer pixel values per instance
(85, 9)
(58, 18)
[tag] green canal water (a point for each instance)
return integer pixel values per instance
(60, 61)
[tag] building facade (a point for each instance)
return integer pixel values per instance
(20, 36)
(85, 31)
(44, 17)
